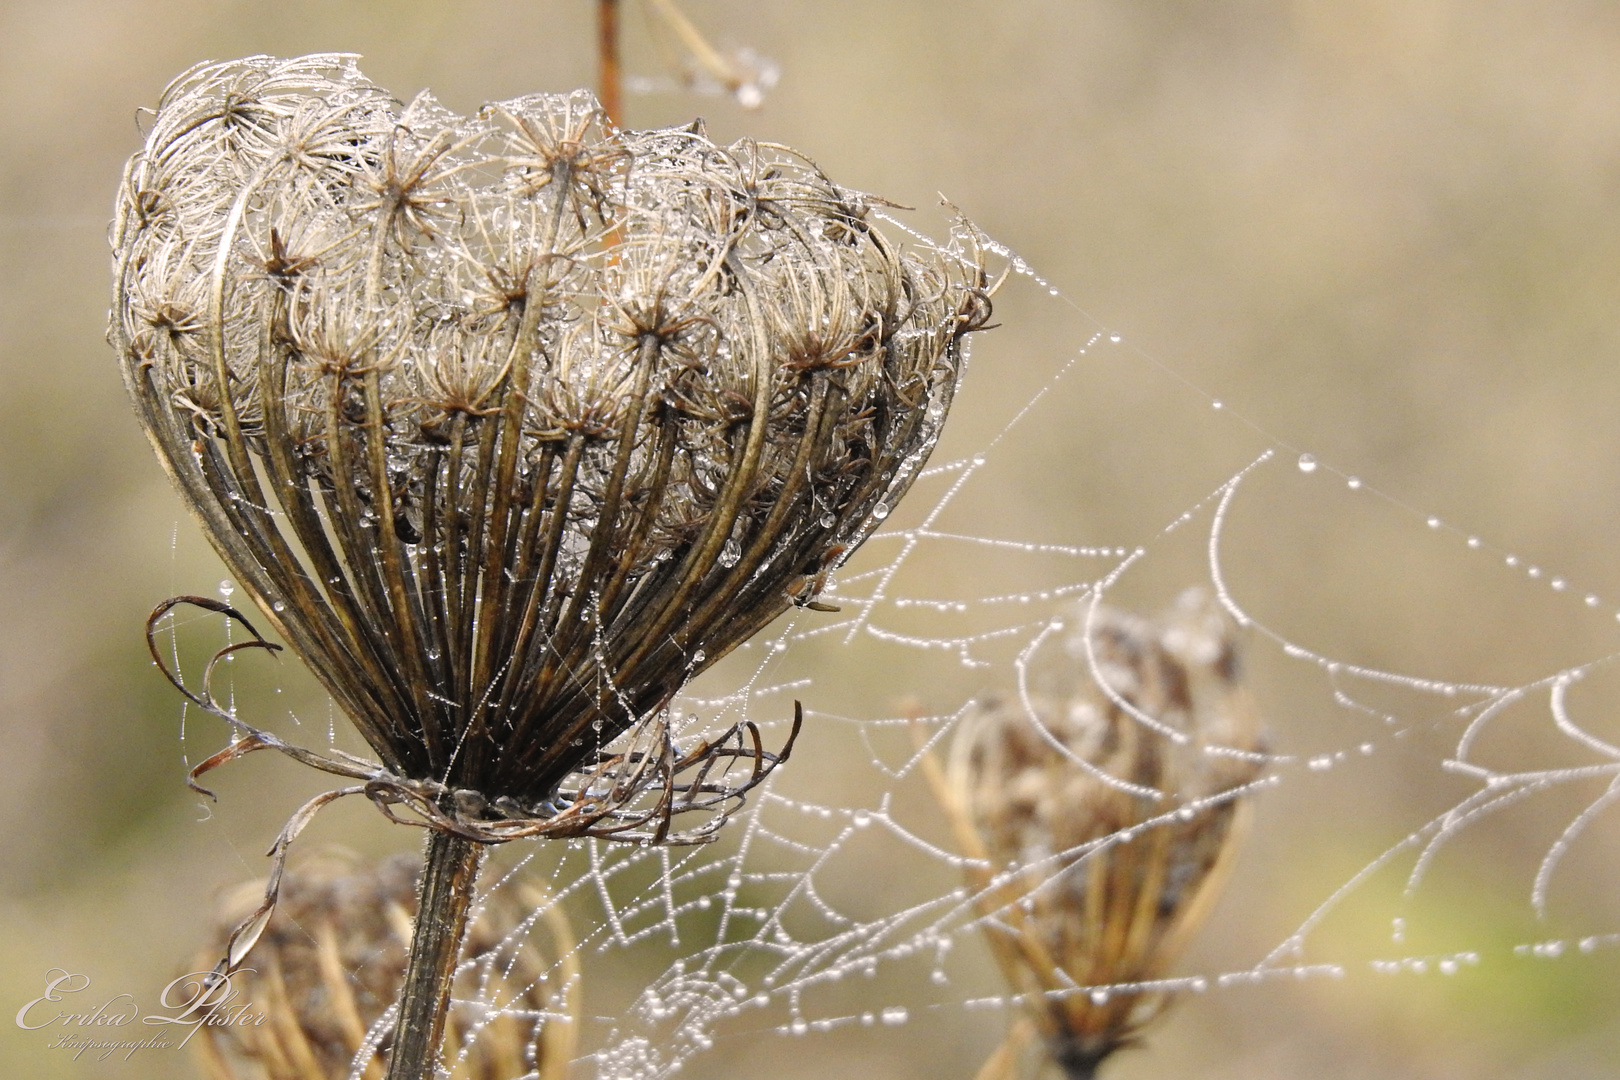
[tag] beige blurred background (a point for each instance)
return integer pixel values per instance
(1386, 233)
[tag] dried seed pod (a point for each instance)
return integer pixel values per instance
(333, 960)
(513, 423)
(1109, 799)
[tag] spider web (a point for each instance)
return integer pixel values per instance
(834, 910)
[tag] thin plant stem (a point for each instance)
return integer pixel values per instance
(449, 871)
(692, 39)
(611, 91)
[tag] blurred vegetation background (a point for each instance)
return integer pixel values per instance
(1385, 231)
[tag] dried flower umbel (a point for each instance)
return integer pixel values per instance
(1106, 802)
(513, 423)
(332, 965)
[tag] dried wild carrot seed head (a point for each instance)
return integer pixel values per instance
(1111, 807)
(513, 423)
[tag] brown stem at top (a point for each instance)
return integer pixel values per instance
(607, 47)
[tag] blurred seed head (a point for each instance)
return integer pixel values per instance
(513, 423)
(332, 961)
(1107, 813)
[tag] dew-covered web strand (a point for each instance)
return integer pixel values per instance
(1308, 463)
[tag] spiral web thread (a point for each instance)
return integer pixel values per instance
(835, 900)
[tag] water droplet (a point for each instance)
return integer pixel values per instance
(1434, 523)
(1354, 483)
(1591, 600)
(1114, 338)
(1534, 571)
(1474, 542)
(799, 1027)
(1217, 405)
(1307, 463)
(895, 1014)
(279, 606)
(1099, 997)
(1512, 560)
(1559, 584)
(861, 819)
(730, 553)
(880, 511)
(828, 520)
(226, 589)
(698, 657)
(1321, 763)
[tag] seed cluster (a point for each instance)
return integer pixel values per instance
(513, 423)
(1108, 800)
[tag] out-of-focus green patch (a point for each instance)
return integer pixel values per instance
(125, 780)
(1456, 969)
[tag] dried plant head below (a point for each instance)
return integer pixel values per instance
(332, 964)
(1105, 801)
(512, 424)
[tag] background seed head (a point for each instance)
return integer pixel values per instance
(332, 963)
(1113, 797)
